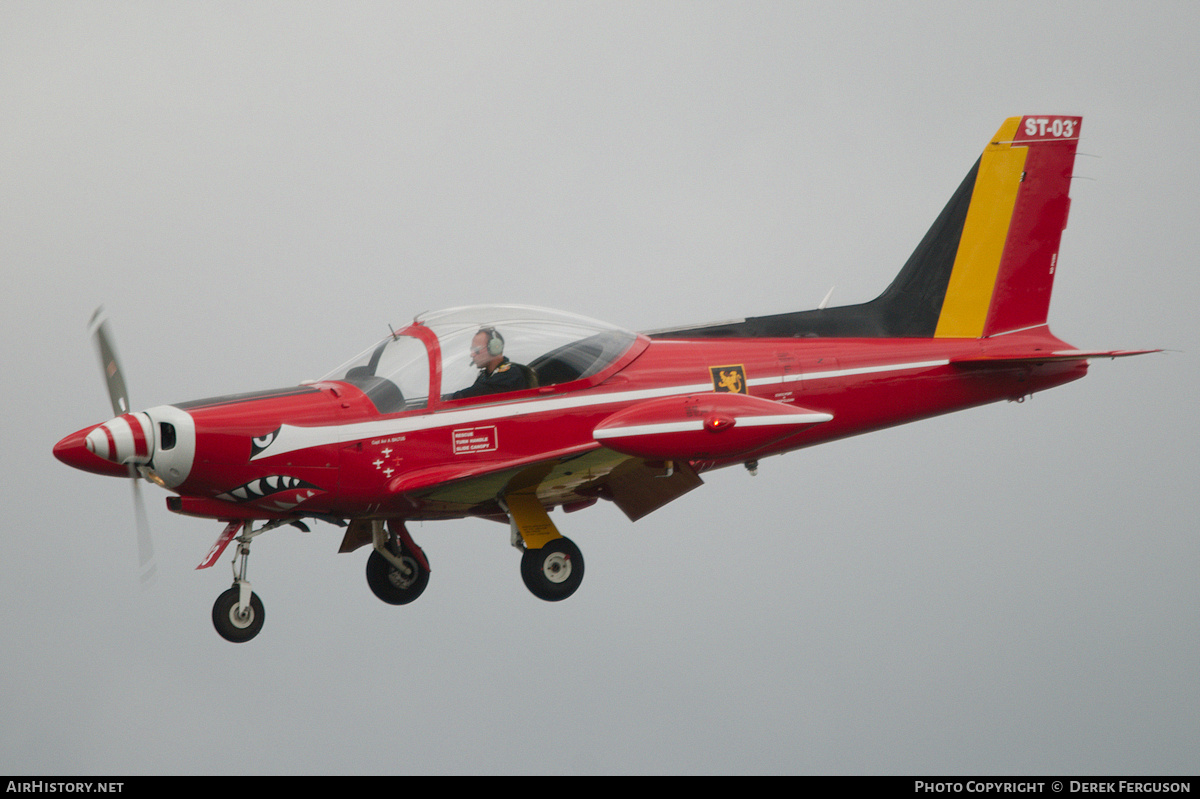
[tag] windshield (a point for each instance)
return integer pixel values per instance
(482, 350)
(394, 374)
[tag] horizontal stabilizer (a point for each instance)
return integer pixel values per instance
(1008, 359)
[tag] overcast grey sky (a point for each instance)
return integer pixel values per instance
(255, 190)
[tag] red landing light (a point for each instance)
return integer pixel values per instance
(716, 423)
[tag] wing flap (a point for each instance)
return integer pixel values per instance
(639, 488)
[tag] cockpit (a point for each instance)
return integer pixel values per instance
(433, 357)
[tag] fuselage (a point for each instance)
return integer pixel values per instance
(326, 448)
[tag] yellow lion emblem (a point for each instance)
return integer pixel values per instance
(728, 379)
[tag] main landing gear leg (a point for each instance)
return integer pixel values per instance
(551, 564)
(397, 570)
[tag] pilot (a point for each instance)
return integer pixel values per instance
(496, 373)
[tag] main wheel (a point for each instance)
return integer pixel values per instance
(235, 626)
(553, 572)
(395, 586)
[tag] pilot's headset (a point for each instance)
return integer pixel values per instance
(495, 345)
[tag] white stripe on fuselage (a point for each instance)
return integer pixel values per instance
(695, 425)
(292, 438)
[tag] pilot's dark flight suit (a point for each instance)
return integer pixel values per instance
(505, 377)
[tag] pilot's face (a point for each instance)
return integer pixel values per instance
(479, 350)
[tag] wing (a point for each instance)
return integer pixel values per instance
(572, 479)
(640, 458)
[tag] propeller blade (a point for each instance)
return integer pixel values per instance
(146, 565)
(117, 393)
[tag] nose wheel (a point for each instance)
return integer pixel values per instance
(237, 620)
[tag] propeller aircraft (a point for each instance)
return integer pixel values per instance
(507, 412)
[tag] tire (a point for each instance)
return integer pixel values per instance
(553, 572)
(229, 624)
(390, 584)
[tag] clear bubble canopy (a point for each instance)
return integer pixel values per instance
(557, 347)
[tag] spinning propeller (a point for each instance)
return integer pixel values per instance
(119, 396)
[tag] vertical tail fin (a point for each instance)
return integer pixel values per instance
(1007, 254)
(985, 267)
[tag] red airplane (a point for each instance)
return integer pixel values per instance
(508, 412)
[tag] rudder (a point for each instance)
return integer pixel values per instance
(1004, 266)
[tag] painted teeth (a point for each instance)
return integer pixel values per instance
(263, 487)
(286, 506)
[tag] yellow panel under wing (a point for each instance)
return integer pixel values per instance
(973, 278)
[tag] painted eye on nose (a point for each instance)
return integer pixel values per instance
(259, 443)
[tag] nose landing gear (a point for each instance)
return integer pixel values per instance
(238, 613)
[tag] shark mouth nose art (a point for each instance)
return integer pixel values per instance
(275, 492)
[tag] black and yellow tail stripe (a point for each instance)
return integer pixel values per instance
(985, 231)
